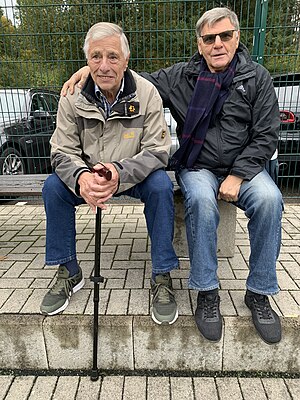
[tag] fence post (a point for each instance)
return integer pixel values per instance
(260, 23)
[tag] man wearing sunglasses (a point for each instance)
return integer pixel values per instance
(228, 122)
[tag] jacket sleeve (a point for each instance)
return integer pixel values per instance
(155, 145)
(66, 149)
(264, 131)
(163, 80)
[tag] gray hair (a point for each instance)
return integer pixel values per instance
(102, 30)
(214, 15)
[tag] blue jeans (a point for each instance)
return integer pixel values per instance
(156, 192)
(262, 202)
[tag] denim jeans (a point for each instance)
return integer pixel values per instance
(262, 203)
(156, 192)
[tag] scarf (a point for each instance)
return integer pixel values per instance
(209, 95)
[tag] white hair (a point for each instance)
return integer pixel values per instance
(105, 29)
(214, 15)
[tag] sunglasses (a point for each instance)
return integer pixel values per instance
(224, 36)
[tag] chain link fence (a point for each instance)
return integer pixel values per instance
(41, 46)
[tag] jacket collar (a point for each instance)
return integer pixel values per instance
(88, 89)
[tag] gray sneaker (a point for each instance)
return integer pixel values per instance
(164, 307)
(57, 299)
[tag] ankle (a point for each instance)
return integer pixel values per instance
(249, 293)
(208, 292)
(72, 267)
(154, 275)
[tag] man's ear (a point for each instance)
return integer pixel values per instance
(127, 61)
(199, 46)
(238, 38)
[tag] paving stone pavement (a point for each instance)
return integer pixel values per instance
(126, 264)
(122, 387)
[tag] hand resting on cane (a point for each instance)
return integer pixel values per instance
(95, 189)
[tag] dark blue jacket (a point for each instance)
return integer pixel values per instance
(244, 135)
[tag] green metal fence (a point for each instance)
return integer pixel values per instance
(41, 46)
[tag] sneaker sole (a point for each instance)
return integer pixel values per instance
(60, 309)
(164, 322)
(79, 286)
(66, 303)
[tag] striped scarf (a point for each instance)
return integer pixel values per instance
(210, 93)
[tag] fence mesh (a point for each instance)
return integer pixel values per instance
(41, 46)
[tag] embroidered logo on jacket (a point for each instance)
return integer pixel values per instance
(241, 88)
(131, 109)
(128, 135)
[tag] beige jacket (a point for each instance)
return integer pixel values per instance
(135, 136)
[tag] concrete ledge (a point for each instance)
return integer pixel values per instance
(244, 350)
(225, 233)
(175, 347)
(22, 342)
(136, 343)
(69, 342)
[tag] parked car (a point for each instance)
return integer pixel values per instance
(287, 87)
(27, 121)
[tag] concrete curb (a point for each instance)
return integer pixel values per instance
(136, 343)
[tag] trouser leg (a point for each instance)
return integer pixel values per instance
(60, 203)
(262, 202)
(200, 190)
(156, 192)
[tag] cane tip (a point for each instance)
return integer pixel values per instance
(94, 375)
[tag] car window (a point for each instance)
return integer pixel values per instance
(38, 103)
(286, 80)
(12, 104)
(52, 101)
(287, 88)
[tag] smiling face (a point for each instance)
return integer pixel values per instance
(218, 55)
(107, 64)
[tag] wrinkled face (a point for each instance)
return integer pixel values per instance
(219, 53)
(107, 64)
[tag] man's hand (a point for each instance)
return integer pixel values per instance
(79, 76)
(95, 189)
(230, 188)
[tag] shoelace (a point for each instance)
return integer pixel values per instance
(209, 306)
(263, 307)
(162, 293)
(63, 284)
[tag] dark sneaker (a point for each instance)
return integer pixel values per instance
(265, 320)
(164, 307)
(207, 315)
(57, 299)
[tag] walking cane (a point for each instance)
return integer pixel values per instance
(97, 279)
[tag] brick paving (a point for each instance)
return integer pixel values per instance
(126, 263)
(147, 388)
(126, 266)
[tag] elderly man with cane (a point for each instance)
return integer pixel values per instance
(114, 123)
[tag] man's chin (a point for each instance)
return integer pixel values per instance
(220, 66)
(105, 86)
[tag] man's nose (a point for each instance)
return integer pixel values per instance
(104, 66)
(218, 41)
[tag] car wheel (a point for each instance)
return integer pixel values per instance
(11, 162)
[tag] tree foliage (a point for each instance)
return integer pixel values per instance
(45, 46)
